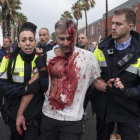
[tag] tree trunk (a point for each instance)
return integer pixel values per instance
(4, 20)
(106, 30)
(8, 26)
(86, 22)
(77, 34)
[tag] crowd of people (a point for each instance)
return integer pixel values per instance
(45, 88)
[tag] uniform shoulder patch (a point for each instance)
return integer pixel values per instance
(7, 56)
(37, 54)
(52, 43)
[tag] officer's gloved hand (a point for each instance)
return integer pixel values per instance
(33, 88)
(41, 61)
(125, 92)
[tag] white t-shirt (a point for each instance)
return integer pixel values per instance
(89, 71)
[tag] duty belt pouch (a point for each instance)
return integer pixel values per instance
(4, 116)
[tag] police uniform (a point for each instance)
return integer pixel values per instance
(13, 93)
(110, 108)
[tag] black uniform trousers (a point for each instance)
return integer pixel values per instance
(88, 98)
(128, 131)
(32, 130)
(52, 129)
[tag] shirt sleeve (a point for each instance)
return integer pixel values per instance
(94, 68)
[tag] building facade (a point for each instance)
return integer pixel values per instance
(96, 30)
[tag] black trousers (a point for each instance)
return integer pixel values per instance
(32, 132)
(128, 131)
(88, 98)
(52, 129)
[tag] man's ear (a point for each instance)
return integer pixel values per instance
(131, 26)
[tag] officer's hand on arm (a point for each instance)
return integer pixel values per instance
(40, 50)
(41, 62)
(43, 73)
(118, 88)
(20, 121)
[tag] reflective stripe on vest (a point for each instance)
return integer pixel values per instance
(18, 73)
(19, 79)
(4, 75)
(132, 69)
(102, 64)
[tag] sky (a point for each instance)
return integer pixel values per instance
(45, 13)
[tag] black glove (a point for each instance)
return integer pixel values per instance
(33, 88)
(125, 92)
(40, 61)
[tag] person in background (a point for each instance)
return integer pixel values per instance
(6, 48)
(45, 43)
(83, 42)
(94, 45)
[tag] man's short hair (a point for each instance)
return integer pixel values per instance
(64, 24)
(45, 29)
(130, 15)
(83, 34)
(10, 40)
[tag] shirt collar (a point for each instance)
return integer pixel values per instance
(49, 42)
(123, 45)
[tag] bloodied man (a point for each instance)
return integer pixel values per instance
(71, 70)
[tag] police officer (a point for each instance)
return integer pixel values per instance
(16, 71)
(118, 56)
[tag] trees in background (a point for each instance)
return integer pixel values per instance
(10, 17)
(86, 5)
(77, 12)
(66, 14)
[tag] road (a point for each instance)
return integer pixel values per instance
(89, 134)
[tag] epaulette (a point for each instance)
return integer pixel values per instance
(51, 43)
(7, 56)
(37, 54)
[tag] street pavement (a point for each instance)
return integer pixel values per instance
(89, 133)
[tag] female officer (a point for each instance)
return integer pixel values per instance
(18, 78)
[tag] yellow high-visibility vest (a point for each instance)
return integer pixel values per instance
(18, 73)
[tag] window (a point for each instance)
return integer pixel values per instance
(98, 28)
(99, 37)
(85, 31)
(134, 28)
(89, 40)
(103, 26)
(91, 30)
(136, 9)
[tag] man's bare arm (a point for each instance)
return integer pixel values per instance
(100, 84)
(23, 104)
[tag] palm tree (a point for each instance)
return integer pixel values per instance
(20, 19)
(106, 30)
(14, 6)
(86, 5)
(66, 14)
(3, 15)
(10, 15)
(77, 8)
(53, 37)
